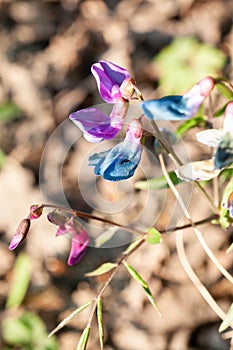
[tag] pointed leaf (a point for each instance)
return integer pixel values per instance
(82, 344)
(143, 283)
(106, 267)
(228, 320)
(154, 236)
(21, 279)
(199, 120)
(158, 183)
(70, 317)
(220, 111)
(100, 323)
(224, 90)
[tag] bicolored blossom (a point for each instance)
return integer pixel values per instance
(69, 224)
(97, 126)
(229, 204)
(114, 82)
(109, 78)
(178, 107)
(120, 162)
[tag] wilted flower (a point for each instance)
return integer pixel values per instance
(229, 204)
(96, 126)
(179, 107)
(120, 162)
(21, 234)
(69, 224)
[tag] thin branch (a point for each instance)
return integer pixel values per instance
(193, 277)
(196, 230)
(169, 149)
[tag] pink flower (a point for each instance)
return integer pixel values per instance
(69, 224)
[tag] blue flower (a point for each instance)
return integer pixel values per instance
(179, 107)
(120, 162)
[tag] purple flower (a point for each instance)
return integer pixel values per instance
(69, 224)
(120, 162)
(179, 107)
(96, 126)
(109, 78)
(21, 234)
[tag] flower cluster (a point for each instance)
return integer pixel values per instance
(67, 224)
(115, 86)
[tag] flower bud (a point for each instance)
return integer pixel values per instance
(35, 212)
(20, 234)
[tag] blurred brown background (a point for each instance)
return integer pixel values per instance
(46, 51)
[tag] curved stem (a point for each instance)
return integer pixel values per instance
(193, 277)
(169, 149)
(196, 230)
(90, 216)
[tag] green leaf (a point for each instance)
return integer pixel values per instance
(154, 236)
(106, 267)
(224, 90)
(228, 320)
(185, 61)
(100, 323)
(21, 279)
(220, 111)
(70, 317)
(143, 283)
(29, 331)
(158, 183)
(82, 344)
(199, 120)
(226, 174)
(8, 112)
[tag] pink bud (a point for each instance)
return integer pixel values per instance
(35, 212)
(206, 86)
(20, 234)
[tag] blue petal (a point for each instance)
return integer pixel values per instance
(119, 163)
(167, 108)
(224, 153)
